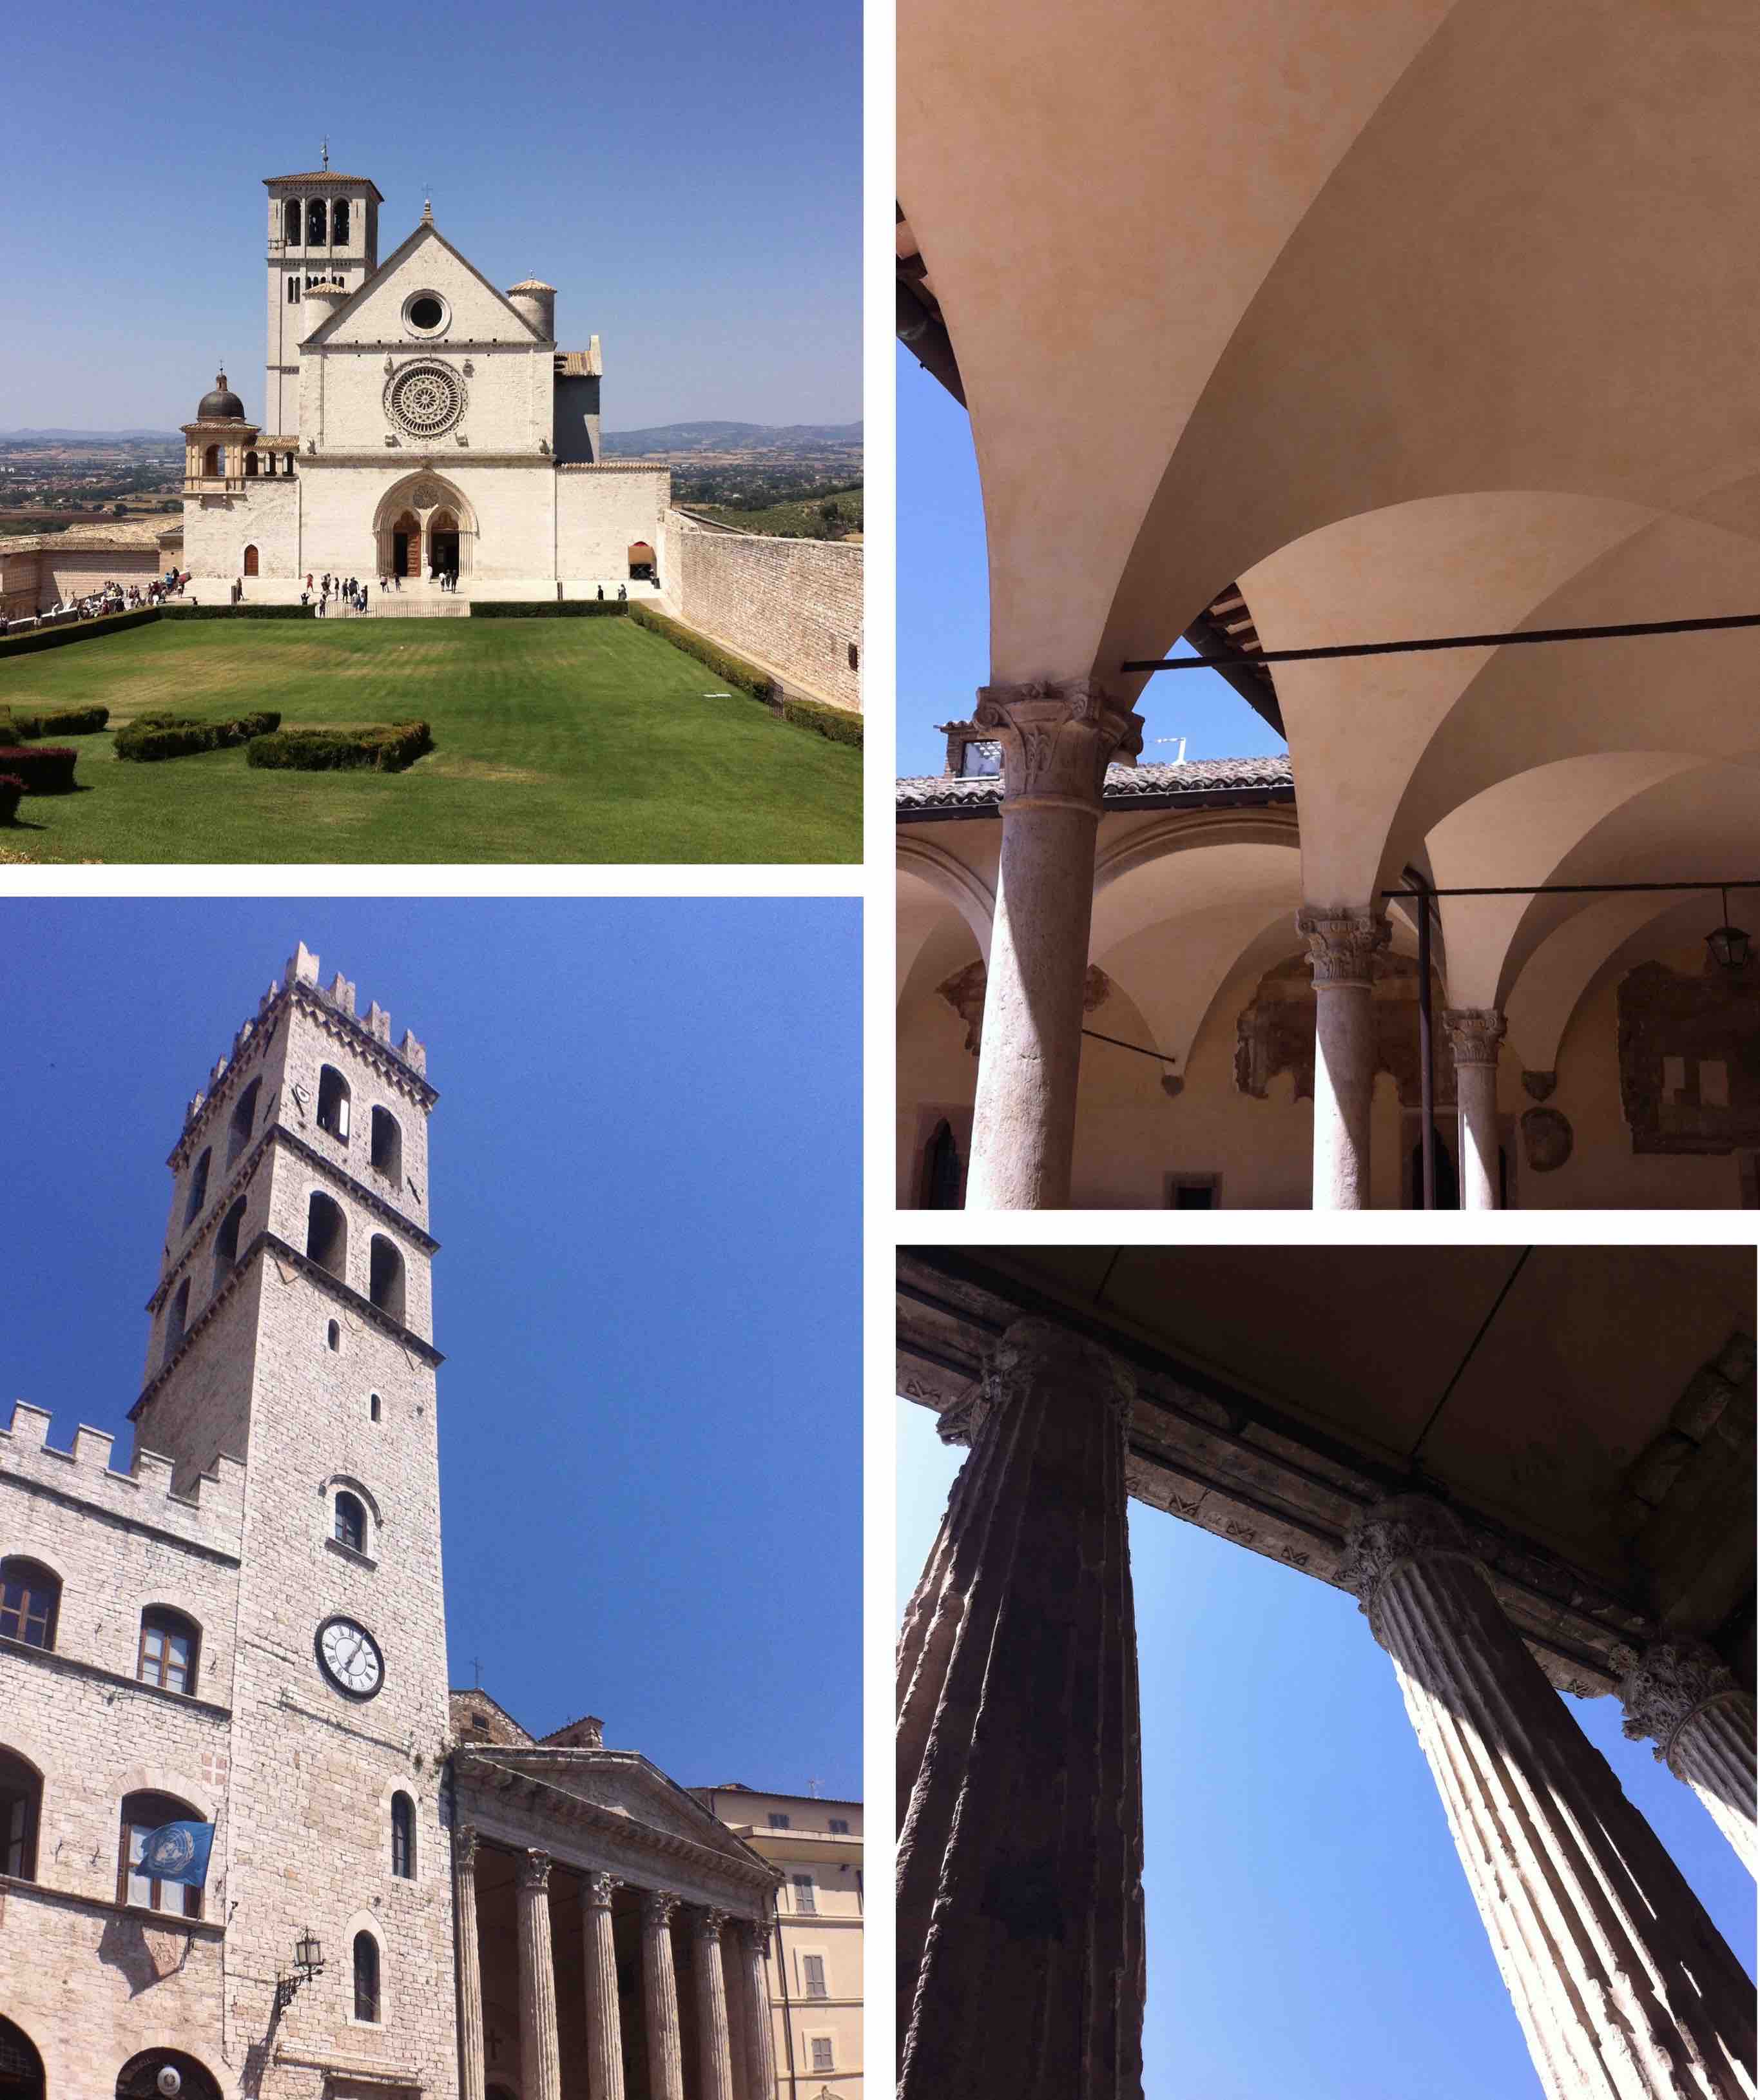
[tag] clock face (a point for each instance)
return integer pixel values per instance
(349, 1656)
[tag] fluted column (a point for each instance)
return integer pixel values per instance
(1342, 946)
(714, 2044)
(472, 2061)
(755, 2005)
(1020, 1902)
(1621, 1981)
(1476, 1034)
(540, 2070)
(604, 2034)
(1680, 1695)
(1057, 742)
(659, 1997)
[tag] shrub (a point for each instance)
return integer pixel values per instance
(187, 612)
(566, 608)
(722, 662)
(382, 747)
(836, 723)
(75, 630)
(43, 769)
(177, 736)
(11, 788)
(63, 721)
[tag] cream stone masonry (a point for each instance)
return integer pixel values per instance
(794, 604)
(1682, 1697)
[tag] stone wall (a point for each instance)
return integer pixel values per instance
(796, 605)
(600, 512)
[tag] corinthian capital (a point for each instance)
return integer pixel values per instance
(1057, 739)
(596, 1889)
(1343, 943)
(533, 1871)
(754, 1934)
(708, 1924)
(1475, 1033)
(658, 1906)
(1668, 1684)
(464, 1845)
(1033, 1351)
(1392, 1535)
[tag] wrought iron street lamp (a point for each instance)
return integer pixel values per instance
(308, 1962)
(1730, 947)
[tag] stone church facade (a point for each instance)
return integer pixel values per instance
(415, 419)
(245, 1627)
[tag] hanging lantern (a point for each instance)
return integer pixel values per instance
(308, 1952)
(1730, 947)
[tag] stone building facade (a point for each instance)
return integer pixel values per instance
(245, 1627)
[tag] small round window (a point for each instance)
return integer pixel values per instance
(425, 313)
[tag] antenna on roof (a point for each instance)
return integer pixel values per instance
(326, 150)
(1179, 756)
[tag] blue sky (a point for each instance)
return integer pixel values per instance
(1310, 1928)
(944, 605)
(689, 177)
(648, 1289)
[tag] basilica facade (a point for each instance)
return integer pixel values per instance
(416, 421)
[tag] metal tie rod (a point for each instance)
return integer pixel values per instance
(1570, 889)
(1239, 662)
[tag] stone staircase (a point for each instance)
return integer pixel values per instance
(419, 599)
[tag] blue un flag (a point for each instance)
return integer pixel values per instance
(177, 1852)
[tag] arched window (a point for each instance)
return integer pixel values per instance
(350, 1527)
(30, 1602)
(141, 1815)
(367, 1977)
(244, 1121)
(334, 1336)
(251, 469)
(198, 1188)
(386, 1280)
(327, 1234)
(403, 1837)
(940, 1169)
(225, 1243)
(852, 656)
(20, 1814)
(251, 567)
(339, 223)
(211, 465)
(176, 1321)
(292, 283)
(170, 1646)
(290, 220)
(314, 223)
(332, 1103)
(372, 1407)
(387, 1146)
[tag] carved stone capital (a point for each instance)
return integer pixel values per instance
(533, 1870)
(1057, 739)
(1343, 943)
(658, 1906)
(1475, 1033)
(1668, 1683)
(596, 1889)
(464, 1847)
(1392, 1535)
(707, 1924)
(754, 1934)
(1032, 1350)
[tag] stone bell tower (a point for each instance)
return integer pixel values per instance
(291, 1329)
(324, 227)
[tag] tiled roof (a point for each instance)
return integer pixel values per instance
(578, 363)
(1125, 784)
(322, 175)
(530, 284)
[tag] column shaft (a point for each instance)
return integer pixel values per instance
(713, 2042)
(1020, 1915)
(472, 2061)
(1682, 1695)
(659, 1997)
(604, 2034)
(755, 2005)
(1475, 1034)
(1341, 946)
(1057, 742)
(1624, 1989)
(540, 2070)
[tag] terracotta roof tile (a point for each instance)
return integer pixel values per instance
(1125, 784)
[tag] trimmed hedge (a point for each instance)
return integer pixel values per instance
(240, 612)
(62, 721)
(383, 746)
(75, 630)
(565, 608)
(178, 736)
(44, 769)
(11, 788)
(835, 723)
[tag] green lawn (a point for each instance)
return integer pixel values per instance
(555, 740)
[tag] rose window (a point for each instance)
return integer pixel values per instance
(424, 400)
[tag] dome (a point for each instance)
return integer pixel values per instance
(222, 406)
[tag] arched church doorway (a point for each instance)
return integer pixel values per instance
(21, 2073)
(641, 562)
(143, 2077)
(443, 544)
(250, 560)
(405, 544)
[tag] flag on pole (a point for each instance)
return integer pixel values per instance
(176, 1852)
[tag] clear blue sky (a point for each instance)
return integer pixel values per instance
(689, 177)
(1310, 1929)
(944, 605)
(646, 1191)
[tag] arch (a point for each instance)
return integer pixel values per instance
(198, 1187)
(244, 1121)
(251, 553)
(140, 1815)
(366, 1965)
(332, 1336)
(444, 544)
(138, 2078)
(348, 1521)
(950, 880)
(20, 1818)
(388, 1147)
(385, 1282)
(943, 1171)
(333, 1097)
(326, 1235)
(20, 2064)
(403, 1837)
(253, 468)
(225, 1243)
(339, 223)
(373, 1407)
(314, 223)
(212, 464)
(640, 560)
(290, 221)
(169, 1654)
(177, 1320)
(399, 516)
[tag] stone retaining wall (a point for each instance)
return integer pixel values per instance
(796, 605)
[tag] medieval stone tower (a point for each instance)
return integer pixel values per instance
(291, 1329)
(324, 229)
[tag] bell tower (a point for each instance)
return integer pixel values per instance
(323, 228)
(291, 1328)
